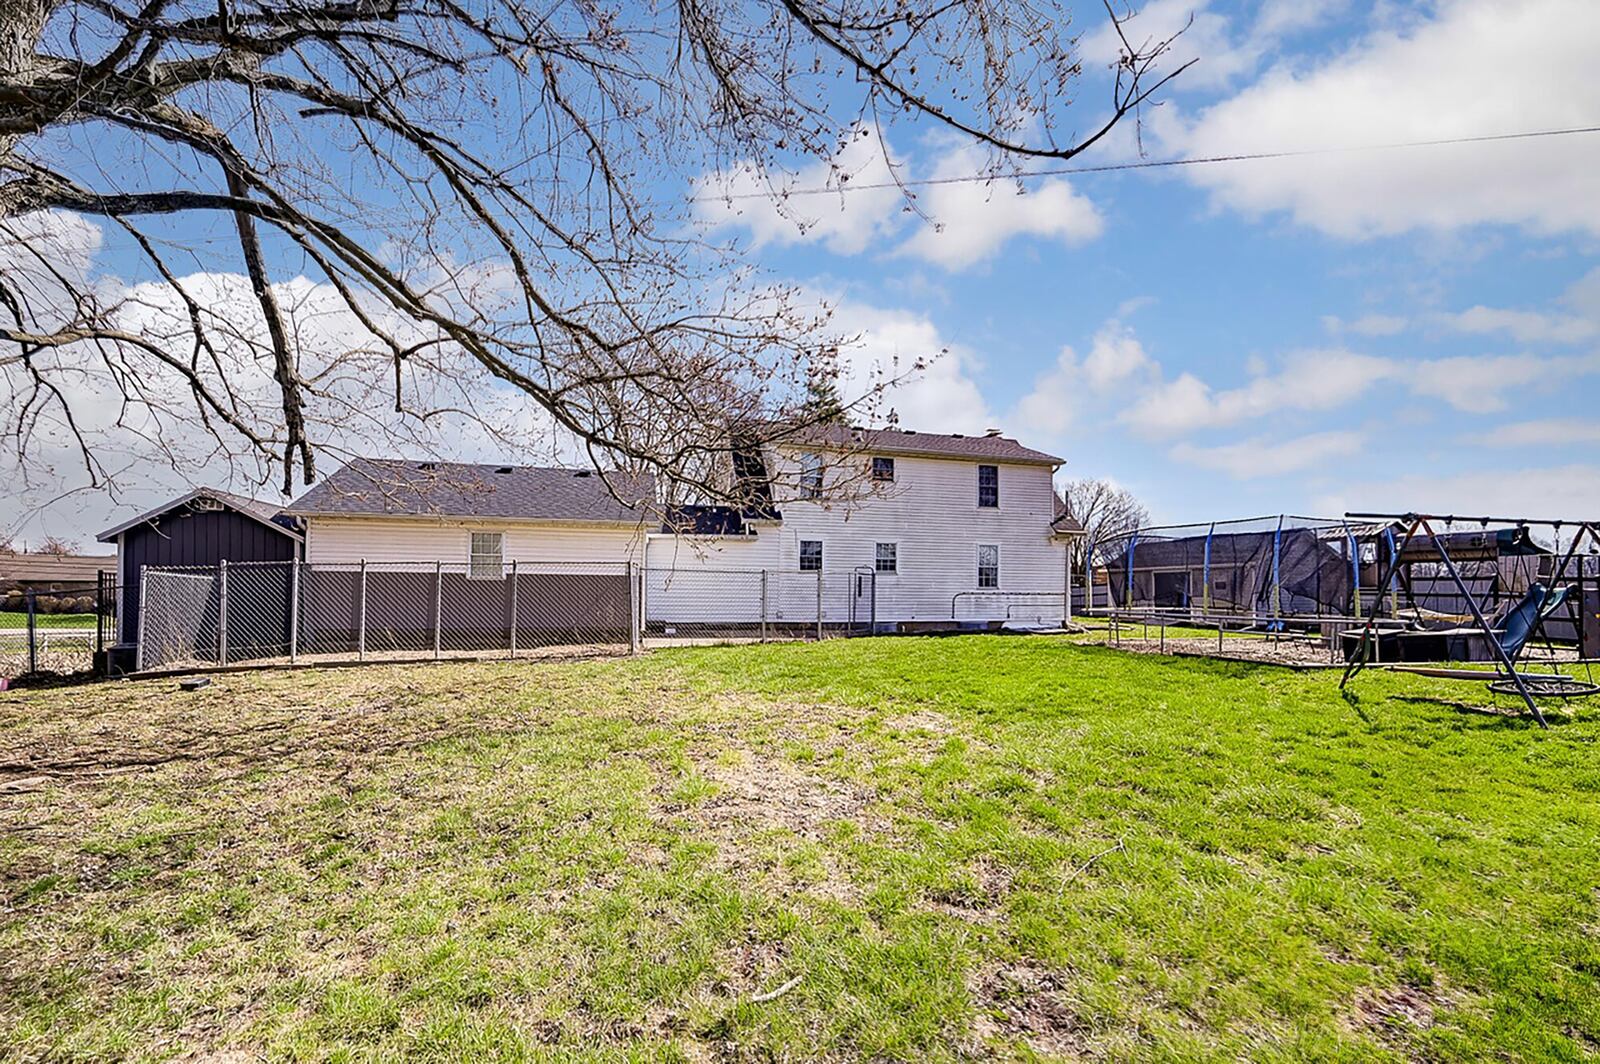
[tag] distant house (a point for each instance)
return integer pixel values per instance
(53, 572)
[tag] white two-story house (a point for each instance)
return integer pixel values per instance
(930, 526)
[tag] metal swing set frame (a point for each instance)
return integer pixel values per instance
(1506, 668)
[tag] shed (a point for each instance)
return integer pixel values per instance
(204, 527)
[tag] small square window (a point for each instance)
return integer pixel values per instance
(883, 469)
(487, 560)
(886, 558)
(989, 486)
(988, 565)
(811, 555)
(811, 476)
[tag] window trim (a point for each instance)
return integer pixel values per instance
(822, 553)
(992, 505)
(978, 560)
(872, 469)
(473, 555)
(894, 558)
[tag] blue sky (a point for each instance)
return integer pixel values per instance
(1408, 328)
(1416, 328)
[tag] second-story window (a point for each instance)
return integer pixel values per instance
(989, 486)
(811, 476)
(886, 559)
(883, 469)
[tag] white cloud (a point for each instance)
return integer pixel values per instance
(1527, 326)
(1307, 380)
(943, 397)
(971, 221)
(1059, 395)
(143, 425)
(1367, 325)
(1266, 456)
(1476, 67)
(847, 222)
(1541, 491)
(1549, 432)
(1479, 384)
(966, 223)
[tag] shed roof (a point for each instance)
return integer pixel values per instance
(391, 487)
(255, 509)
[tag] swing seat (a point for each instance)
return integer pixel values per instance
(1518, 624)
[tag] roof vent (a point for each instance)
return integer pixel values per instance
(205, 504)
(582, 473)
(911, 432)
(990, 434)
(956, 435)
(503, 469)
(428, 467)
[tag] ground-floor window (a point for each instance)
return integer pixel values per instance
(487, 561)
(988, 565)
(886, 559)
(811, 555)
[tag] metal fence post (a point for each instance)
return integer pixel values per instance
(222, 613)
(33, 631)
(513, 607)
(361, 616)
(294, 609)
(144, 608)
(763, 605)
(438, 605)
(633, 612)
(819, 604)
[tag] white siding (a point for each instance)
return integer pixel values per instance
(930, 512)
(351, 539)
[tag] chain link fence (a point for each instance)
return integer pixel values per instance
(62, 631)
(291, 611)
(288, 611)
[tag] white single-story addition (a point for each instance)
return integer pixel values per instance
(944, 526)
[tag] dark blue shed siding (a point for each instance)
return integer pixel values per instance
(184, 537)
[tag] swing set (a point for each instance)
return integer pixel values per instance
(1514, 625)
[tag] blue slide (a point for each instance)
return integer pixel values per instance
(1523, 619)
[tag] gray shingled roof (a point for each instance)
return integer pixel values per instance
(255, 508)
(926, 444)
(398, 488)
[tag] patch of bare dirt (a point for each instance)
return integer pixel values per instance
(1029, 1004)
(1264, 650)
(762, 793)
(1396, 1011)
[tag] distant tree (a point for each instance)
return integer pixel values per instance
(1104, 509)
(57, 546)
(823, 404)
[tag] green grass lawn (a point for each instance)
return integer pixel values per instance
(10, 619)
(938, 849)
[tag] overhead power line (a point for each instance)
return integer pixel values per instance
(1148, 164)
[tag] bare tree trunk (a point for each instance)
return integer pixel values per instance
(21, 25)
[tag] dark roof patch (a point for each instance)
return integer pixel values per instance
(369, 487)
(265, 512)
(910, 442)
